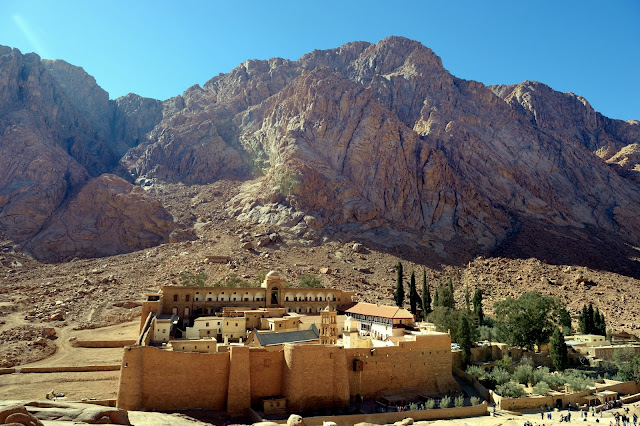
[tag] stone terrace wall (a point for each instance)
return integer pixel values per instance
(307, 375)
(155, 379)
(425, 363)
(389, 418)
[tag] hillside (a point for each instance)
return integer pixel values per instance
(506, 188)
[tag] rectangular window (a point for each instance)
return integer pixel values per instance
(186, 298)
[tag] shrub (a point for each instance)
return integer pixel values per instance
(474, 370)
(233, 281)
(506, 362)
(475, 400)
(500, 375)
(510, 390)
(459, 401)
(309, 281)
(541, 388)
(577, 382)
(539, 374)
(430, 404)
(523, 374)
(445, 401)
(191, 279)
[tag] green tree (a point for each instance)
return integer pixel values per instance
(446, 319)
(510, 390)
(467, 298)
(528, 320)
(523, 374)
(541, 388)
(582, 320)
(477, 306)
(599, 325)
(436, 299)
(426, 296)
(309, 281)
(452, 303)
(191, 279)
(414, 297)
(398, 295)
(444, 297)
(589, 319)
(558, 350)
(628, 363)
(564, 319)
(464, 338)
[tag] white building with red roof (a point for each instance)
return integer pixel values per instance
(380, 321)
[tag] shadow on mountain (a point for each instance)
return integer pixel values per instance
(589, 247)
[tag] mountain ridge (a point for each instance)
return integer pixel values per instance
(371, 137)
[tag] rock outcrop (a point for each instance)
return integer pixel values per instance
(108, 216)
(378, 140)
(571, 118)
(57, 130)
(384, 136)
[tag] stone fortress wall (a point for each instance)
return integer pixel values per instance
(308, 376)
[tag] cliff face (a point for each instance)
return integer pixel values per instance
(376, 138)
(382, 135)
(56, 132)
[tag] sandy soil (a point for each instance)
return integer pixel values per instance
(98, 385)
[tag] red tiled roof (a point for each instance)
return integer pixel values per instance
(382, 311)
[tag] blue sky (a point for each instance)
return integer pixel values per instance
(160, 48)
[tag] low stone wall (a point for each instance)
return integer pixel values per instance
(102, 402)
(388, 418)
(532, 403)
(103, 343)
(630, 398)
(7, 370)
(482, 391)
(81, 369)
(626, 388)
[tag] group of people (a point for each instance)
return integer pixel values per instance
(624, 418)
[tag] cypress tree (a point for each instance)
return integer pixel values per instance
(477, 306)
(464, 338)
(436, 299)
(426, 296)
(558, 351)
(452, 303)
(399, 293)
(582, 320)
(467, 298)
(600, 325)
(589, 319)
(414, 298)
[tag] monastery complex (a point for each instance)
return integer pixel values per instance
(278, 350)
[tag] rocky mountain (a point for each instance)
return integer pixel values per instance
(374, 141)
(57, 132)
(368, 137)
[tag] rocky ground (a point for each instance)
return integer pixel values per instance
(85, 294)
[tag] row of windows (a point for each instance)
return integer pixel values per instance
(259, 298)
(187, 298)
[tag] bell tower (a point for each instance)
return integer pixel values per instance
(328, 326)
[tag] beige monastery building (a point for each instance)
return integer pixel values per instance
(191, 352)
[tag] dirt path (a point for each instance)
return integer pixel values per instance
(69, 355)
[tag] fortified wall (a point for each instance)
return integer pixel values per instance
(308, 376)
